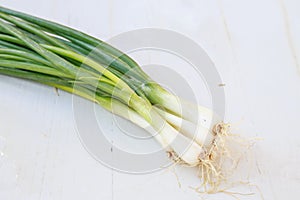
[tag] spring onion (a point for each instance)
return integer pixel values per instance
(58, 56)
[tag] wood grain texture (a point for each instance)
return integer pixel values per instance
(255, 46)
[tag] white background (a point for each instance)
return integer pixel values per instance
(255, 46)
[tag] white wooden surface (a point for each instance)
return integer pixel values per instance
(256, 47)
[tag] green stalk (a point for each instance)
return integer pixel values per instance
(33, 30)
(112, 105)
(4, 44)
(32, 67)
(74, 56)
(53, 58)
(24, 52)
(109, 60)
(73, 33)
(103, 100)
(130, 99)
(155, 93)
(78, 37)
(54, 81)
(93, 52)
(12, 57)
(152, 91)
(109, 55)
(8, 38)
(119, 68)
(39, 59)
(37, 77)
(60, 63)
(27, 55)
(91, 63)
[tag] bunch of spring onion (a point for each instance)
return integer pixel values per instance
(58, 56)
